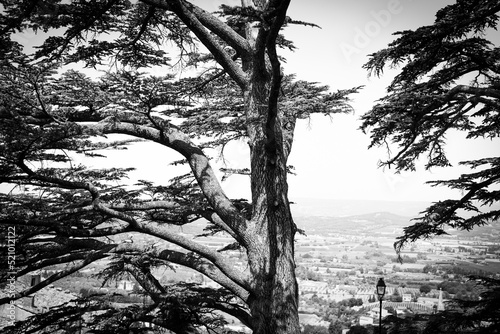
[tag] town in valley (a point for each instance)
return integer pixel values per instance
(339, 261)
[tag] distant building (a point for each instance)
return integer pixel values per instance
(35, 279)
(365, 320)
(440, 304)
(126, 285)
(312, 319)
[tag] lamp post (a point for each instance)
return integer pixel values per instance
(380, 293)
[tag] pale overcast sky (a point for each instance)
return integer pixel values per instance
(331, 157)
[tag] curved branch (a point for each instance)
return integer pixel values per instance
(151, 228)
(219, 261)
(206, 268)
(176, 140)
(158, 230)
(200, 165)
(155, 289)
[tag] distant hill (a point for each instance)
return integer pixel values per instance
(341, 208)
(373, 223)
(322, 216)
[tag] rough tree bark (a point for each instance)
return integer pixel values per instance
(269, 241)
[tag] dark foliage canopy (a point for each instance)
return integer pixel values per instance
(449, 81)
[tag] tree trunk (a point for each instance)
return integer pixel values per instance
(274, 299)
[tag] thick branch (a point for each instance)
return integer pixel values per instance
(480, 91)
(226, 33)
(166, 205)
(198, 162)
(219, 261)
(55, 222)
(147, 281)
(180, 8)
(215, 219)
(154, 228)
(275, 72)
(51, 261)
(206, 268)
(158, 230)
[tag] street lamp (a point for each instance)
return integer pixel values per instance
(380, 293)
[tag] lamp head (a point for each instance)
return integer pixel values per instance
(380, 288)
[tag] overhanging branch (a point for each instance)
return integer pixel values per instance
(199, 264)
(199, 163)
